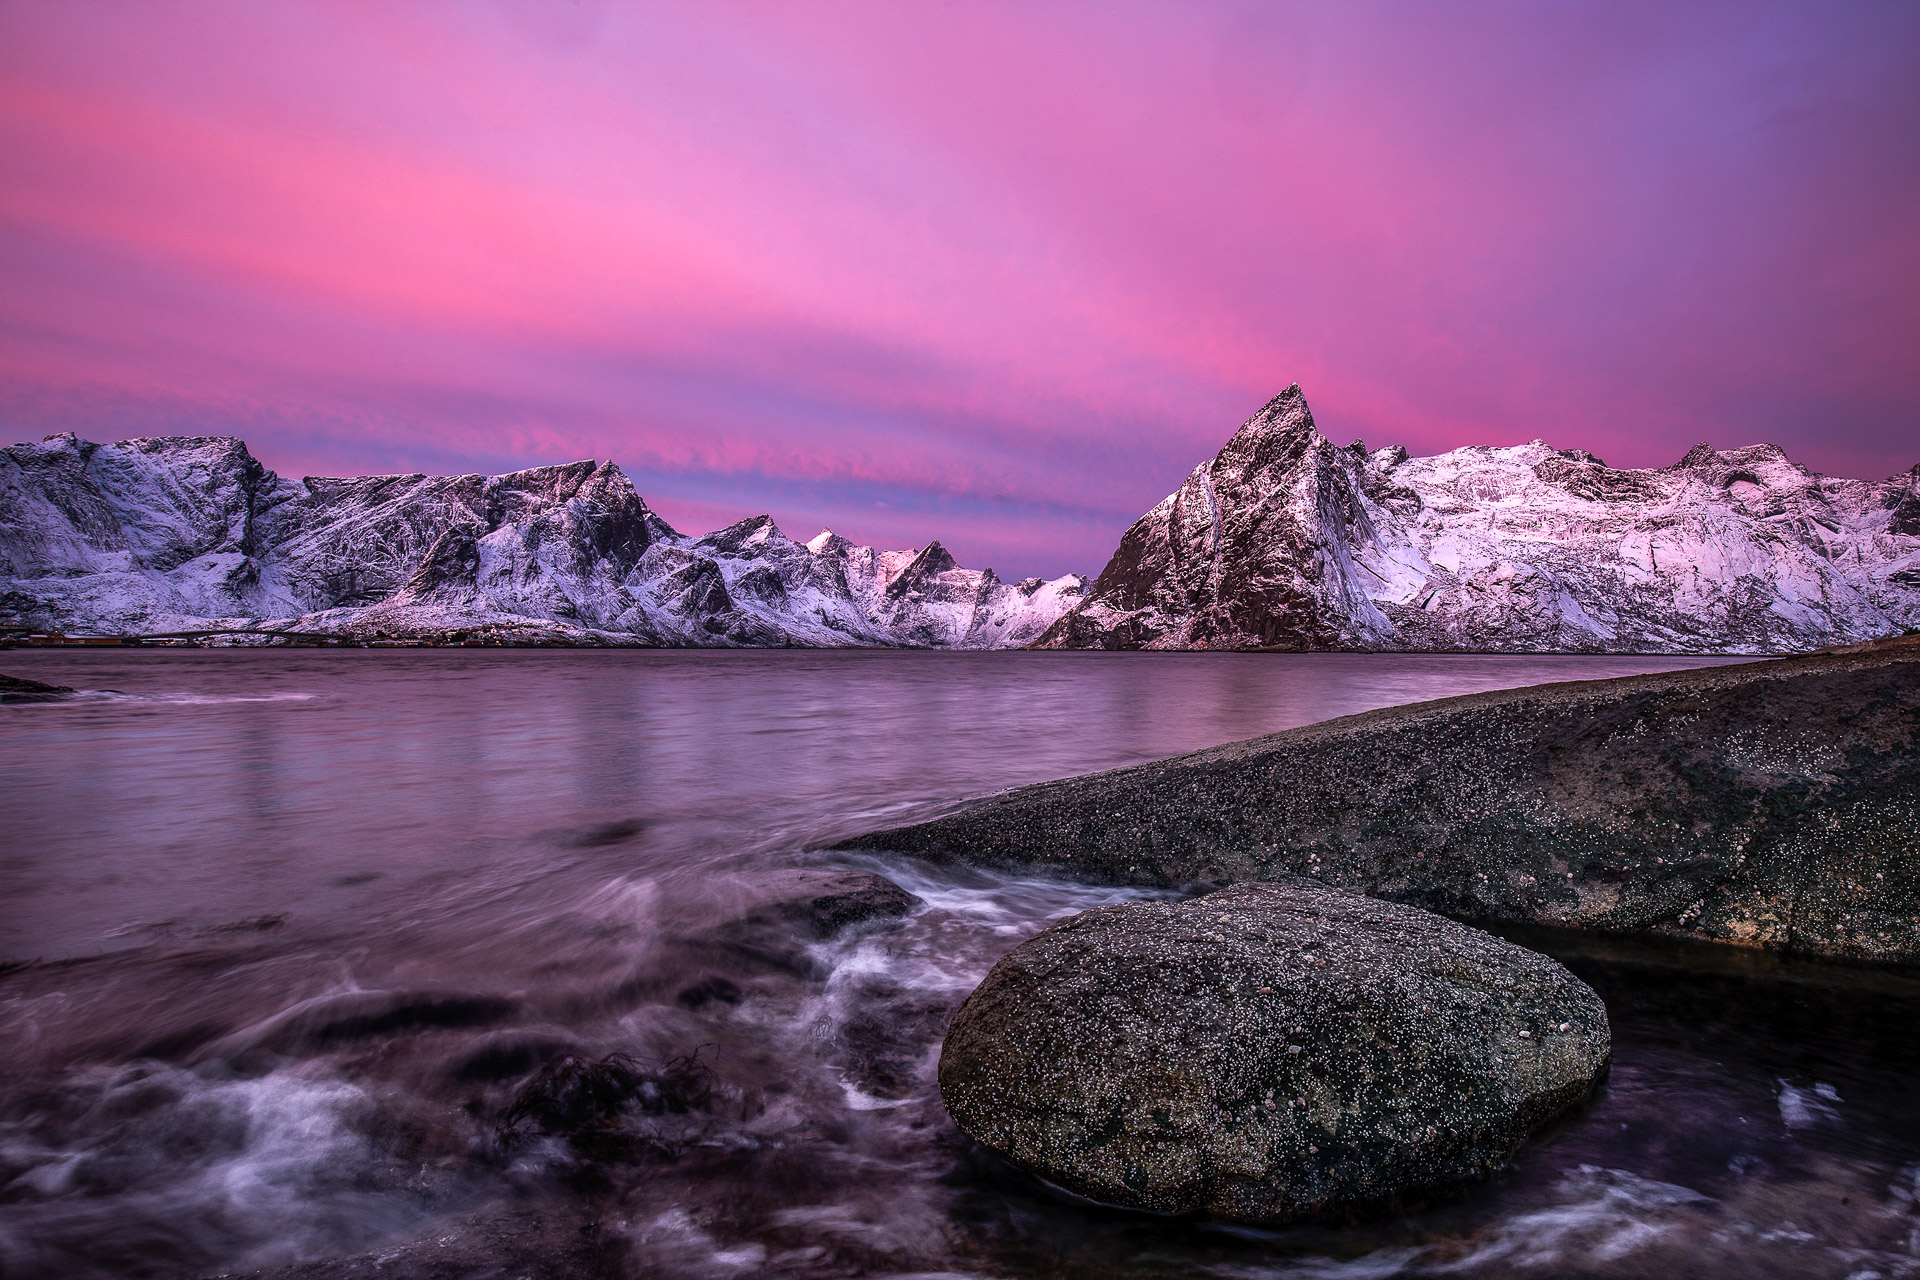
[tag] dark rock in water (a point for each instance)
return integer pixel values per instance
(603, 834)
(828, 903)
(18, 689)
(1268, 1052)
(328, 1022)
(789, 910)
(712, 989)
(598, 1104)
(507, 1055)
(573, 1094)
(1770, 804)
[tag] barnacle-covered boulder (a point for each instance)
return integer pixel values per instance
(1268, 1052)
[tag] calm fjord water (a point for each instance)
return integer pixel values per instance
(304, 920)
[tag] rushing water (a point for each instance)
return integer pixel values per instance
(290, 929)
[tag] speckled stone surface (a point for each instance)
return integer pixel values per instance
(1769, 804)
(1268, 1052)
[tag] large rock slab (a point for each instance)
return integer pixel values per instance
(1268, 1052)
(1769, 804)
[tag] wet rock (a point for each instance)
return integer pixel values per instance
(1268, 1052)
(507, 1055)
(1770, 804)
(20, 689)
(792, 908)
(712, 989)
(547, 1240)
(603, 1105)
(327, 1022)
(828, 903)
(603, 834)
(883, 1032)
(575, 1094)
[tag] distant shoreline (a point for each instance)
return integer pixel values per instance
(307, 640)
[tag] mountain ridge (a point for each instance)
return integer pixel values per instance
(182, 533)
(1282, 540)
(1285, 540)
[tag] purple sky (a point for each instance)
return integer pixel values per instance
(995, 274)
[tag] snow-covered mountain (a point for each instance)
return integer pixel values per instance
(182, 534)
(1285, 540)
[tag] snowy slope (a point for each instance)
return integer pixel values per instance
(1286, 540)
(179, 534)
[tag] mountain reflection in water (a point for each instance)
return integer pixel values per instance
(291, 931)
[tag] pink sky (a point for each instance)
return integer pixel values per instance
(993, 274)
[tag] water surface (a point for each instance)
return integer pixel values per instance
(292, 928)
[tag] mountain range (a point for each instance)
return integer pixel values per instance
(1281, 541)
(1285, 540)
(181, 534)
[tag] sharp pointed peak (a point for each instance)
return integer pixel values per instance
(827, 542)
(1287, 413)
(933, 554)
(1279, 434)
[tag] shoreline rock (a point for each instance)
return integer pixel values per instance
(1769, 804)
(1268, 1052)
(20, 689)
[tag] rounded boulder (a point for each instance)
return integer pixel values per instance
(1268, 1052)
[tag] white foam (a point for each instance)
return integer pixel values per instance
(1807, 1108)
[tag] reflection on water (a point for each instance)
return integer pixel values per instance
(306, 924)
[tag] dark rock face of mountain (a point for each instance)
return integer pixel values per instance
(179, 534)
(1771, 804)
(1268, 1052)
(1286, 541)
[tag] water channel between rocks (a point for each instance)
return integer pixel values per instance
(284, 931)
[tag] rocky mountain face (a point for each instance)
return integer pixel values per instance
(181, 534)
(1288, 541)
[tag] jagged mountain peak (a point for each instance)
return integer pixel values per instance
(1286, 411)
(929, 562)
(932, 558)
(1284, 541)
(827, 542)
(1276, 436)
(741, 535)
(1704, 457)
